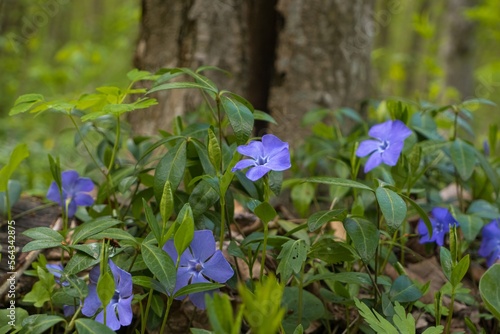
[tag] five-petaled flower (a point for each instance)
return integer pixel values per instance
(269, 154)
(199, 263)
(119, 309)
(490, 244)
(387, 147)
(75, 191)
(441, 220)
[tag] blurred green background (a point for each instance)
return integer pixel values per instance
(79, 45)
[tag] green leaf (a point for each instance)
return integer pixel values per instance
(155, 227)
(347, 277)
(459, 271)
(240, 117)
(364, 235)
(337, 182)
(374, 319)
(393, 207)
(214, 152)
(19, 153)
(25, 102)
(302, 196)
(89, 326)
(105, 288)
(293, 254)
(332, 251)
(78, 263)
(488, 170)
(463, 157)
(185, 233)
(40, 244)
(167, 203)
(171, 167)
(312, 308)
(115, 233)
(470, 225)
(221, 315)
(421, 213)
(39, 323)
(43, 233)
(265, 212)
(318, 219)
(136, 75)
(446, 262)
(177, 85)
(403, 290)
(161, 265)
(197, 287)
(299, 329)
(490, 289)
(202, 198)
(263, 116)
(92, 227)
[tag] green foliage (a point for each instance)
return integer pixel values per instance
(489, 289)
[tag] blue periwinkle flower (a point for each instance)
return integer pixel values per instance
(441, 220)
(269, 154)
(75, 191)
(490, 244)
(199, 263)
(119, 310)
(387, 147)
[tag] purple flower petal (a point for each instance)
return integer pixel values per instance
(257, 172)
(399, 131)
(123, 280)
(382, 131)
(217, 268)
(280, 161)
(391, 155)
(92, 302)
(55, 269)
(124, 309)
(254, 149)
(373, 161)
(198, 298)
(83, 199)
(53, 193)
(111, 319)
(203, 245)
(69, 179)
(169, 247)
(444, 216)
(83, 184)
(367, 147)
(273, 145)
(243, 164)
(71, 209)
(184, 274)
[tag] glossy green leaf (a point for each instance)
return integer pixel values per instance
(105, 287)
(446, 262)
(197, 287)
(263, 116)
(155, 227)
(463, 157)
(393, 207)
(293, 254)
(490, 289)
(78, 263)
(202, 198)
(490, 172)
(39, 323)
(320, 218)
(25, 102)
(89, 326)
(240, 118)
(161, 265)
(92, 227)
(181, 85)
(166, 203)
(458, 272)
(214, 151)
(471, 225)
(19, 153)
(185, 233)
(115, 233)
(334, 181)
(332, 251)
(43, 233)
(171, 167)
(364, 235)
(40, 244)
(403, 290)
(265, 212)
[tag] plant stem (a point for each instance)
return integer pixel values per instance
(148, 306)
(222, 220)
(165, 317)
(450, 311)
(300, 301)
(264, 247)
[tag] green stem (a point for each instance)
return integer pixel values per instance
(115, 146)
(165, 317)
(72, 321)
(264, 247)
(7, 203)
(391, 246)
(450, 311)
(300, 301)
(148, 307)
(222, 220)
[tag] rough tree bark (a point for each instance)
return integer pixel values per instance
(458, 51)
(285, 56)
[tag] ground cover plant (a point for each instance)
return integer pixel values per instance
(151, 225)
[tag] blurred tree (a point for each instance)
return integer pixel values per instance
(285, 56)
(459, 48)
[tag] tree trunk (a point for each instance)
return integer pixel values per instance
(459, 48)
(286, 56)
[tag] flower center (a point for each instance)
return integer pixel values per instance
(438, 228)
(261, 161)
(198, 267)
(384, 145)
